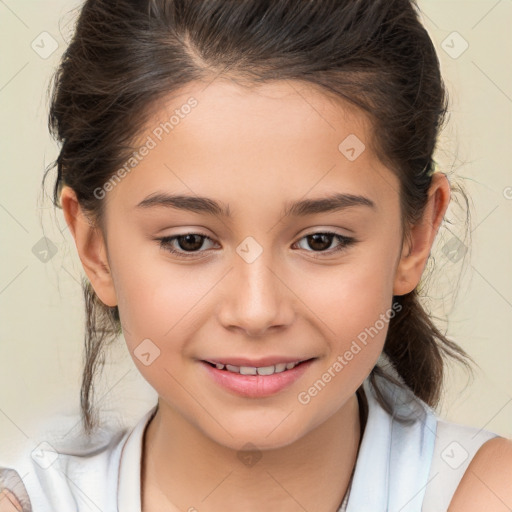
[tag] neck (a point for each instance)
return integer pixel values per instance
(182, 469)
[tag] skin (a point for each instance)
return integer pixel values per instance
(254, 149)
(9, 502)
(487, 482)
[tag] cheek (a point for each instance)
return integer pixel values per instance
(349, 297)
(352, 305)
(158, 299)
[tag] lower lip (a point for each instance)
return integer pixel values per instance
(256, 386)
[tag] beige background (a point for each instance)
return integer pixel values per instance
(41, 303)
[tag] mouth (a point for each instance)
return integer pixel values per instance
(268, 369)
(251, 379)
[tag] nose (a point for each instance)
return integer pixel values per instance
(256, 298)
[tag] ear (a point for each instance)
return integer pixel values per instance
(416, 250)
(90, 245)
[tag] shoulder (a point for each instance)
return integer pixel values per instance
(56, 477)
(487, 481)
(13, 494)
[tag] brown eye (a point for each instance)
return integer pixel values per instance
(321, 242)
(184, 245)
(190, 242)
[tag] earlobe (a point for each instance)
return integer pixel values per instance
(416, 249)
(90, 245)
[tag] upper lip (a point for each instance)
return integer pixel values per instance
(255, 363)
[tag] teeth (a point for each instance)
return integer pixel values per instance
(248, 370)
(266, 370)
(251, 370)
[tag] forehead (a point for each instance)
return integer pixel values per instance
(285, 111)
(268, 142)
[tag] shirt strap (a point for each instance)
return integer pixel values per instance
(454, 448)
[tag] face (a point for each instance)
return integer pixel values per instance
(268, 284)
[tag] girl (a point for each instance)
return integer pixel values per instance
(252, 193)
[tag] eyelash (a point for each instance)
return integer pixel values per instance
(345, 242)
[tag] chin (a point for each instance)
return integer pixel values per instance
(270, 433)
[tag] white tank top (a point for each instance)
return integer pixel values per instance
(406, 468)
(409, 468)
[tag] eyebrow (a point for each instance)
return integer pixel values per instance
(197, 204)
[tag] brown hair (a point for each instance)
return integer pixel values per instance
(127, 55)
